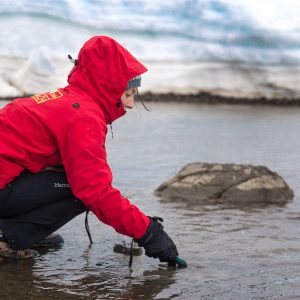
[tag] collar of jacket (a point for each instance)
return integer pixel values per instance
(103, 70)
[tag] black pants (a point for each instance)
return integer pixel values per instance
(35, 205)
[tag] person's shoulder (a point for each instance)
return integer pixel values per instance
(81, 112)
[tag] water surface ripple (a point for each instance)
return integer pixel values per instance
(246, 253)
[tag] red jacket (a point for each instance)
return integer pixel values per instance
(68, 127)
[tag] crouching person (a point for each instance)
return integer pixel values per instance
(67, 128)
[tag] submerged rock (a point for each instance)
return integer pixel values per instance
(124, 247)
(226, 184)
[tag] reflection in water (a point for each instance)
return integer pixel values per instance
(109, 278)
(16, 279)
(244, 253)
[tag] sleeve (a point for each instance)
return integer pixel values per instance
(82, 149)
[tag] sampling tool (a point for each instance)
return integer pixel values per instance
(132, 249)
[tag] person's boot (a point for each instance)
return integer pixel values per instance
(2, 237)
(52, 240)
(7, 253)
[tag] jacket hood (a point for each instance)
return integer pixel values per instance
(102, 70)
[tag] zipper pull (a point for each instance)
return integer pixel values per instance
(111, 130)
(74, 61)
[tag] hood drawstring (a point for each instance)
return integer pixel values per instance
(140, 99)
(87, 227)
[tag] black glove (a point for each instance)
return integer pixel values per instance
(157, 243)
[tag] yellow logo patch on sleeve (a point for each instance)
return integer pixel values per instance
(41, 98)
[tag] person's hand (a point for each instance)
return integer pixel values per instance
(158, 244)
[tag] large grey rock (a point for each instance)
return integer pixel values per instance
(226, 184)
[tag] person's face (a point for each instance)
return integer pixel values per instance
(128, 98)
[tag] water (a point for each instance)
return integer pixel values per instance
(232, 254)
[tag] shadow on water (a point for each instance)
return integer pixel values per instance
(194, 207)
(16, 279)
(81, 277)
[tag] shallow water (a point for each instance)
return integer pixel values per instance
(252, 253)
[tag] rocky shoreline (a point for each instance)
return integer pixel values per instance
(208, 98)
(205, 98)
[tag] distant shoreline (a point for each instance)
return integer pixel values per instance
(208, 98)
(205, 98)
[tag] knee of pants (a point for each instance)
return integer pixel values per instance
(24, 230)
